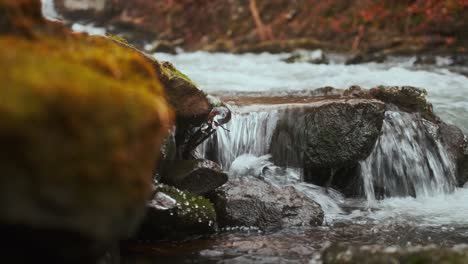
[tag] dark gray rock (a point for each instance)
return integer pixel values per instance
(304, 56)
(249, 201)
(195, 176)
(365, 58)
(425, 59)
(455, 143)
(327, 136)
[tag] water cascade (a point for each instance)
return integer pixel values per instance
(407, 160)
(246, 133)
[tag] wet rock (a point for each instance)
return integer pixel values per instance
(455, 142)
(315, 57)
(195, 176)
(378, 254)
(426, 59)
(161, 46)
(459, 60)
(80, 126)
(252, 202)
(326, 136)
(365, 58)
(188, 100)
(278, 46)
(175, 214)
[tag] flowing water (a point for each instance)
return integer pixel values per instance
(420, 207)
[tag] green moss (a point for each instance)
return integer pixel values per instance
(171, 72)
(81, 120)
(190, 206)
(117, 38)
(407, 98)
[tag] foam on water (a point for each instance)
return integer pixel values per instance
(49, 12)
(438, 210)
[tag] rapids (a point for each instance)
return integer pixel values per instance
(421, 208)
(436, 213)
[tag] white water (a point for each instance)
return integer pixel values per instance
(407, 161)
(248, 133)
(49, 12)
(267, 75)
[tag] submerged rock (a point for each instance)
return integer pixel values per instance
(365, 58)
(315, 57)
(327, 136)
(175, 214)
(377, 254)
(252, 202)
(195, 176)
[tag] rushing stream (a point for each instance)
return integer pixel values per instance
(437, 215)
(421, 207)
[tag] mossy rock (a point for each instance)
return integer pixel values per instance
(81, 122)
(189, 102)
(407, 98)
(191, 215)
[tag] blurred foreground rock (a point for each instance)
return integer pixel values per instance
(81, 122)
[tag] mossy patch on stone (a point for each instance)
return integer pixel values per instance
(407, 98)
(190, 206)
(189, 215)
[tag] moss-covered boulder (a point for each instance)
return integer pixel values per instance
(81, 122)
(175, 214)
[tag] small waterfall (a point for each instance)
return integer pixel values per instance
(248, 133)
(407, 160)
